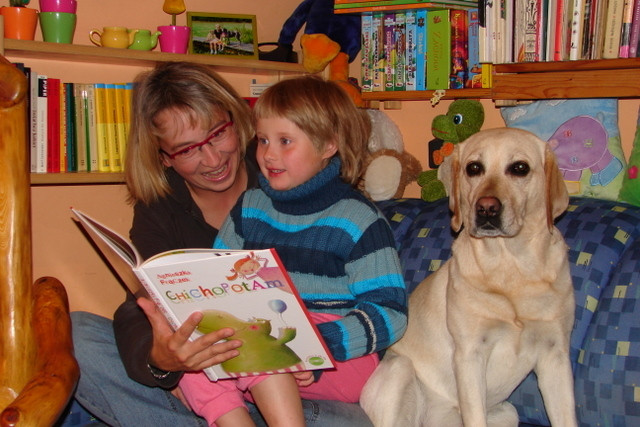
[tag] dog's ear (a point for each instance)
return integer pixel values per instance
(454, 189)
(556, 190)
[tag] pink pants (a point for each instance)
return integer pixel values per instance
(214, 399)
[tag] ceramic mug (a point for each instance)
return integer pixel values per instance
(66, 6)
(118, 37)
(19, 22)
(57, 27)
(174, 38)
(144, 40)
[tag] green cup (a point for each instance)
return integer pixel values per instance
(57, 27)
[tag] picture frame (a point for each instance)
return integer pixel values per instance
(223, 34)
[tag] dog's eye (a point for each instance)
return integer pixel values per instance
(474, 168)
(519, 169)
(457, 119)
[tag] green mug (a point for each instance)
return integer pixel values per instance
(57, 27)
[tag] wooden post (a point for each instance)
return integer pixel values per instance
(17, 347)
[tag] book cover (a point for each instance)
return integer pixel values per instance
(475, 70)
(421, 49)
(389, 23)
(410, 49)
(459, 50)
(439, 49)
(625, 32)
(400, 51)
(70, 120)
(42, 145)
(613, 29)
(366, 64)
(81, 132)
(378, 51)
(102, 133)
(249, 291)
(93, 156)
(635, 31)
(53, 125)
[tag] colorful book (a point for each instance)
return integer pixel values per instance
(577, 24)
(410, 50)
(80, 95)
(53, 125)
(459, 49)
(102, 133)
(249, 291)
(70, 120)
(42, 144)
(531, 26)
(121, 120)
(389, 24)
(421, 49)
(400, 51)
(613, 29)
(93, 156)
(366, 64)
(559, 39)
(113, 145)
(625, 32)
(475, 70)
(396, 5)
(378, 51)
(33, 119)
(439, 49)
(635, 31)
(63, 128)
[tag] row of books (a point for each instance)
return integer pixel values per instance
(395, 46)
(558, 30)
(76, 127)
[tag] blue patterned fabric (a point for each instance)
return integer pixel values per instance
(604, 254)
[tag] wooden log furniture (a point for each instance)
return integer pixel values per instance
(38, 371)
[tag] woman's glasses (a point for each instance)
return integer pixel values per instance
(188, 152)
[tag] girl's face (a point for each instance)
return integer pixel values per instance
(213, 166)
(286, 155)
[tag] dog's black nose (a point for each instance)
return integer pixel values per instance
(488, 207)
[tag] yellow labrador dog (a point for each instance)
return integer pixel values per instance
(501, 307)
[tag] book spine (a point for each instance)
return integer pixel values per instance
(102, 134)
(93, 157)
(635, 31)
(410, 49)
(625, 31)
(72, 164)
(532, 17)
(112, 130)
(421, 49)
(489, 30)
(121, 120)
(400, 41)
(473, 79)
(577, 22)
(389, 50)
(459, 50)
(366, 64)
(42, 155)
(558, 39)
(613, 29)
(81, 138)
(378, 51)
(53, 125)
(439, 48)
(62, 110)
(33, 120)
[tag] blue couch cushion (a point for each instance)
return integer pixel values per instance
(598, 234)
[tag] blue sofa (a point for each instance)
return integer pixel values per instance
(604, 241)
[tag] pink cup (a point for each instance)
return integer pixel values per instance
(64, 6)
(174, 38)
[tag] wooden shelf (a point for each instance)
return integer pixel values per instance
(76, 178)
(113, 56)
(417, 95)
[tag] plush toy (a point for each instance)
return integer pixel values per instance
(390, 169)
(329, 40)
(464, 118)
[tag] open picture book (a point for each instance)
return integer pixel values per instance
(249, 291)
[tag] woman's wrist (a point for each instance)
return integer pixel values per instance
(158, 373)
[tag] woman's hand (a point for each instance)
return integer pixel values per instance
(172, 351)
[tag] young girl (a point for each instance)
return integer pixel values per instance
(335, 244)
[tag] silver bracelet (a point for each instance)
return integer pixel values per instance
(158, 374)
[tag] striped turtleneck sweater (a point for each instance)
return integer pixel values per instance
(339, 252)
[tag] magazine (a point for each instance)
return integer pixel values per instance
(247, 290)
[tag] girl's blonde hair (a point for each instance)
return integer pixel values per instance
(192, 89)
(324, 112)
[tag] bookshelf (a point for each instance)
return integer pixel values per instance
(27, 49)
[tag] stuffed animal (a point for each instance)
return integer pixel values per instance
(390, 169)
(329, 40)
(464, 118)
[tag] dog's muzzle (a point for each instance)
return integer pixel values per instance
(488, 214)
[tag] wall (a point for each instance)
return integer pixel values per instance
(61, 250)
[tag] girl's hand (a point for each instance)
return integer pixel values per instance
(172, 351)
(303, 379)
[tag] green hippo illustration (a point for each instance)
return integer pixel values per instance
(260, 351)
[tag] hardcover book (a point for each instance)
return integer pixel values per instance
(421, 49)
(439, 48)
(410, 63)
(249, 291)
(367, 57)
(400, 52)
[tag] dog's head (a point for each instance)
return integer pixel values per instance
(501, 180)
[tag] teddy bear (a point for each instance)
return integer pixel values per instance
(464, 117)
(389, 168)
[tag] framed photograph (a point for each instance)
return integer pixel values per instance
(223, 34)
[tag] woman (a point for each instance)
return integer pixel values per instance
(185, 169)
